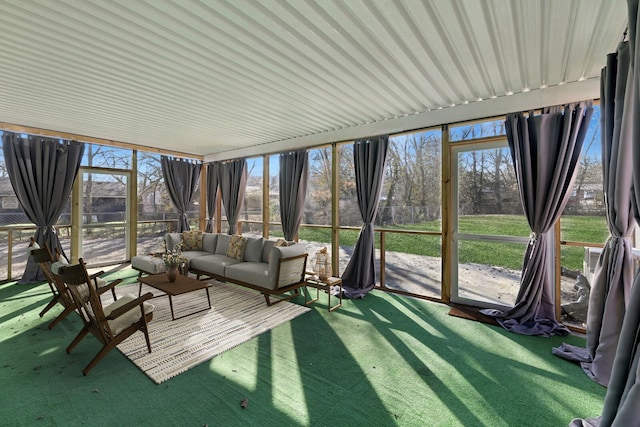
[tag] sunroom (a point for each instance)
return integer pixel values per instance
(445, 85)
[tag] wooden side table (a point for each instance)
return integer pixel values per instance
(324, 285)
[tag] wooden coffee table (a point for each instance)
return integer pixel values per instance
(182, 285)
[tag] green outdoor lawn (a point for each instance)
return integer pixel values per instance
(587, 229)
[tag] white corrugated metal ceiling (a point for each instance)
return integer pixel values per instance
(225, 78)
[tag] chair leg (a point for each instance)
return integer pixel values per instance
(49, 306)
(65, 313)
(83, 333)
(146, 337)
(101, 354)
(296, 293)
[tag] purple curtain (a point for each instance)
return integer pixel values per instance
(293, 190)
(545, 149)
(613, 275)
(213, 177)
(233, 184)
(181, 177)
(42, 171)
(369, 156)
(622, 402)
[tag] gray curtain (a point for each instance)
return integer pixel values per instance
(293, 190)
(613, 275)
(369, 156)
(42, 171)
(622, 402)
(233, 184)
(213, 177)
(181, 178)
(545, 149)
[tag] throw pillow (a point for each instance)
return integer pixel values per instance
(253, 250)
(236, 247)
(279, 243)
(192, 240)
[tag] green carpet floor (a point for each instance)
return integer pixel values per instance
(383, 360)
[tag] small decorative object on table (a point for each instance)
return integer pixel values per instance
(173, 260)
(323, 264)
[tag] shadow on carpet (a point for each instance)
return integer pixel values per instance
(236, 316)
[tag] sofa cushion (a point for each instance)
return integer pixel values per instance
(253, 250)
(255, 273)
(32, 248)
(55, 266)
(209, 241)
(128, 318)
(237, 246)
(222, 244)
(266, 249)
(193, 254)
(148, 264)
(213, 264)
(192, 240)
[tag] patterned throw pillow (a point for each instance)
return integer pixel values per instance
(236, 247)
(192, 240)
(281, 242)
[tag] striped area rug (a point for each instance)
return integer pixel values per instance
(236, 316)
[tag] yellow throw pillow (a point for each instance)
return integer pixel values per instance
(279, 243)
(192, 240)
(237, 247)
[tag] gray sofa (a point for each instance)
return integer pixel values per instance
(264, 266)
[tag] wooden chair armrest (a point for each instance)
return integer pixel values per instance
(108, 287)
(128, 306)
(94, 275)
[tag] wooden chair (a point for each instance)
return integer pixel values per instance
(48, 263)
(110, 324)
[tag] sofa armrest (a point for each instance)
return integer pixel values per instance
(279, 252)
(290, 270)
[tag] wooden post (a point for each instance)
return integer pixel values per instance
(266, 188)
(447, 220)
(335, 218)
(202, 220)
(132, 227)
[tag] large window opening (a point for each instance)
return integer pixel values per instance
(409, 219)
(583, 229)
(104, 207)
(490, 231)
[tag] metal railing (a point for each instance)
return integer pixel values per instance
(391, 276)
